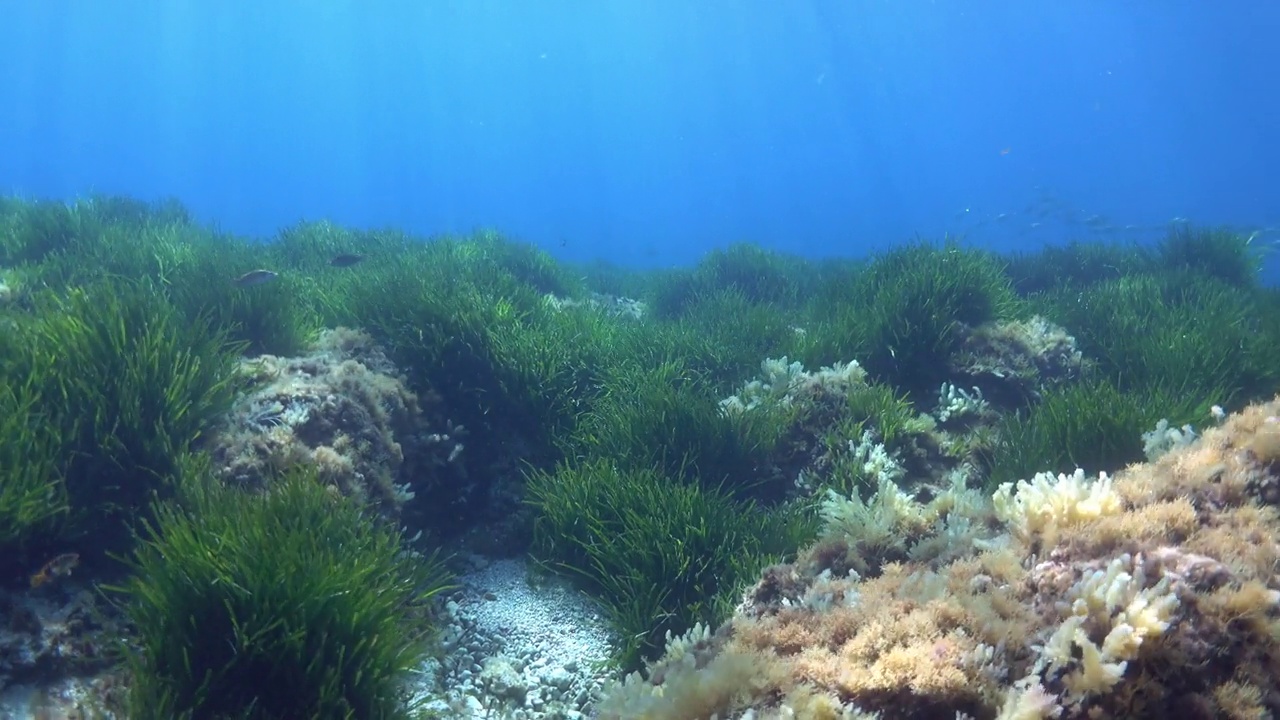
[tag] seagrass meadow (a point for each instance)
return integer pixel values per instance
(794, 488)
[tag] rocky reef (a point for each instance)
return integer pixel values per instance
(1149, 594)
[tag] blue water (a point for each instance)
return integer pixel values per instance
(646, 132)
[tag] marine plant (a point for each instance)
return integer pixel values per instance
(880, 407)
(59, 245)
(651, 342)
(288, 604)
(196, 269)
(433, 321)
(1268, 319)
(662, 555)
(131, 210)
(552, 361)
(831, 280)
(1178, 332)
(1090, 424)
(668, 418)
(311, 246)
(490, 258)
(761, 276)
(1074, 264)
(1217, 253)
(32, 495)
(31, 231)
(901, 315)
(742, 330)
(505, 360)
(125, 384)
(670, 292)
(609, 278)
(276, 318)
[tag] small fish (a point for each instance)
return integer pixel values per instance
(255, 277)
(345, 259)
(59, 566)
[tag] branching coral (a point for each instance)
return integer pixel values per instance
(1036, 511)
(1118, 603)
(781, 382)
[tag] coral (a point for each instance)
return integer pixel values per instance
(343, 410)
(784, 383)
(1116, 603)
(883, 523)
(1150, 593)
(692, 682)
(834, 428)
(954, 402)
(1165, 437)
(1038, 509)
(612, 305)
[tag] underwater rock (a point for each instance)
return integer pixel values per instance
(1152, 593)
(343, 409)
(1011, 362)
(53, 634)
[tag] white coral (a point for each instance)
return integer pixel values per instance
(1118, 601)
(1042, 507)
(774, 384)
(877, 462)
(1165, 438)
(876, 523)
(956, 402)
(780, 381)
(1030, 701)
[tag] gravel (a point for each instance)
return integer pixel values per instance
(518, 650)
